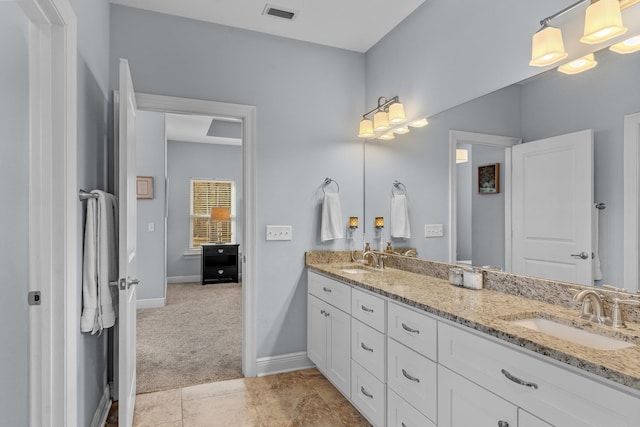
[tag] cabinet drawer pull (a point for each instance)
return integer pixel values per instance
(408, 329)
(370, 396)
(220, 250)
(503, 423)
(364, 347)
(220, 271)
(367, 309)
(328, 290)
(410, 377)
(518, 380)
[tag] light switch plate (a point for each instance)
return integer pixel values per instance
(279, 232)
(151, 227)
(433, 230)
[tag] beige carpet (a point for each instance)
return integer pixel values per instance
(195, 339)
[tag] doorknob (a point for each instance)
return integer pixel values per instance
(581, 255)
(127, 283)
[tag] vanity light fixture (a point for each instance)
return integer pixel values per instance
(387, 136)
(379, 222)
(418, 123)
(602, 22)
(353, 222)
(401, 130)
(579, 65)
(628, 46)
(388, 118)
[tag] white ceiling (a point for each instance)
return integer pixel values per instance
(352, 24)
(192, 128)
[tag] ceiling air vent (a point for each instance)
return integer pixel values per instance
(279, 12)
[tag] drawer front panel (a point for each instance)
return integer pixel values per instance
(369, 309)
(335, 293)
(415, 330)
(220, 250)
(220, 271)
(401, 414)
(368, 348)
(560, 397)
(413, 377)
(368, 394)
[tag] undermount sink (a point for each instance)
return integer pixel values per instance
(572, 334)
(354, 270)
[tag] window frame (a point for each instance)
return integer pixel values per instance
(232, 210)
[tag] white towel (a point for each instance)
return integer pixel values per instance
(597, 272)
(400, 217)
(331, 227)
(100, 263)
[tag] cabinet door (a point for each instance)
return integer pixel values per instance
(316, 332)
(461, 403)
(338, 361)
(525, 419)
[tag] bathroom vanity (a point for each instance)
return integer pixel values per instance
(409, 349)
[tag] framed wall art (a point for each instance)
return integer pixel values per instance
(144, 187)
(489, 179)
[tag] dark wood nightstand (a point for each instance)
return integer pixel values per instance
(219, 263)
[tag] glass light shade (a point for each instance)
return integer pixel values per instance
(626, 3)
(353, 222)
(419, 123)
(579, 65)
(380, 121)
(628, 46)
(462, 155)
(396, 114)
(379, 222)
(547, 47)
(602, 21)
(401, 130)
(220, 214)
(386, 136)
(366, 129)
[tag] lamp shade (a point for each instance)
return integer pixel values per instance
(387, 136)
(462, 155)
(579, 65)
(366, 129)
(628, 46)
(353, 222)
(396, 114)
(547, 47)
(602, 21)
(418, 123)
(379, 222)
(401, 130)
(380, 121)
(220, 214)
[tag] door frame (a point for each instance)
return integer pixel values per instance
(487, 140)
(247, 114)
(631, 253)
(53, 212)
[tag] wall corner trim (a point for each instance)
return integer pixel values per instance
(283, 363)
(151, 303)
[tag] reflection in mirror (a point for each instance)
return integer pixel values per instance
(548, 105)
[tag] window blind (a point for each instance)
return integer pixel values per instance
(207, 194)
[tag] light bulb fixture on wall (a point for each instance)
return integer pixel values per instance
(462, 155)
(388, 118)
(603, 21)
(353, 222)
(378, 222)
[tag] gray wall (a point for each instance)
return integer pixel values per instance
(14, 215)
(186, 160)
(293, 84)
(93, 149)
(150, 161)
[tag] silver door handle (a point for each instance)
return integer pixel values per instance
(518, 380)
(125, 284)
(581, 255)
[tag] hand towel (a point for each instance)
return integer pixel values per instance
(331, 227)
(100, 263)
(597, 272)
(400, 217)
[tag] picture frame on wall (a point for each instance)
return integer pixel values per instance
(489, 179)
(144, 187)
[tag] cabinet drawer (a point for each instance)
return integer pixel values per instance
(413, 377)
(415, 330)
(367, 348)
(401, 414)
(335, 293)
(212, 272)
(220, 250)
(562, 397)
(369, 309)
(368, 394)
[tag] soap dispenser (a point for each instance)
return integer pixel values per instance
(367, 248)
(389, 248)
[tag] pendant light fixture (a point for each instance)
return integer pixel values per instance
(579, 65)
(628, 46)
(388, 118)
(602, 22)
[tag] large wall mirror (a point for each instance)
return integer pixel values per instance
(548, 105)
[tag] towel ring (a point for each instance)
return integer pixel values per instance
(328, 181)
(601, 206)
(85, 195)
(398, 186)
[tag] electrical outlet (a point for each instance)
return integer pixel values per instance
(279, 232)
(433, 230)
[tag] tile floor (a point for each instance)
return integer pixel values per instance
(300, 398)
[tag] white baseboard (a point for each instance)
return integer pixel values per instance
(151, 303)
(184, 279)
(283, 363)
(102, 411)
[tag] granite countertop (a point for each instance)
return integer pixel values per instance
(491, 311)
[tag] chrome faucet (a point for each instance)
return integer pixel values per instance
(375, 260)
(592, 307)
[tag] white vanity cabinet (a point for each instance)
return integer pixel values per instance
(329, 330)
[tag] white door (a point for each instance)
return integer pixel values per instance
(552, 194)
(126, 191)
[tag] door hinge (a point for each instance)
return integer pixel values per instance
(34, 298)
